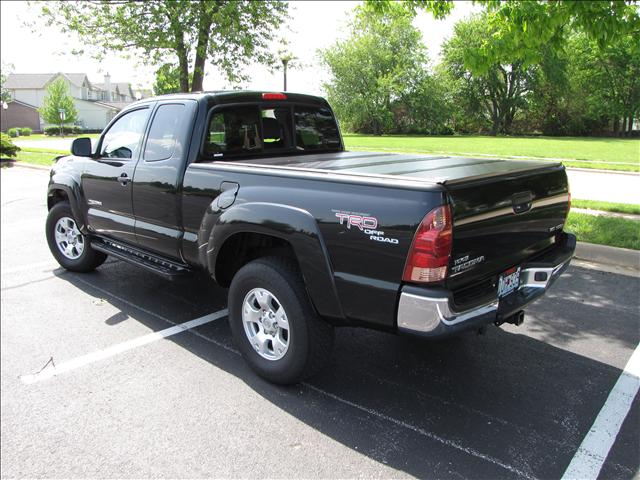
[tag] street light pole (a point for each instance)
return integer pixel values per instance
(285, 61)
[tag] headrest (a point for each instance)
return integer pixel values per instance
(271, 128)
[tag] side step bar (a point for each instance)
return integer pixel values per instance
(158, 265)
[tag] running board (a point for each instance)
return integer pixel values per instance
(158, 265)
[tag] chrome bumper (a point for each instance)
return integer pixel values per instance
(431, 311)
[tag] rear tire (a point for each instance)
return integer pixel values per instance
(274, 324)
(71, 248)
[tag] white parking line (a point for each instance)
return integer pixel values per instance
(119, 348)
(593, 450)
(49, 263)
(424, 433)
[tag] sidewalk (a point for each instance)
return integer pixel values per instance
(602, 213)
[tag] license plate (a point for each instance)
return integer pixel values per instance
(508, 282)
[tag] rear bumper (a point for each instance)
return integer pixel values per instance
(431, 312)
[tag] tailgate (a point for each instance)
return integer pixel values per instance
(502, 220)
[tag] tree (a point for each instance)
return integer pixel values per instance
(523, 29)
(186, 33)
(5, 95)
(497, 94)
(167, 79)
(609, 79)
(58, 98)
(373, 69)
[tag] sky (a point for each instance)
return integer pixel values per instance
(314, 25)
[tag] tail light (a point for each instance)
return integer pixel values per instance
(274, 96)
(569, 200)
(430, 250)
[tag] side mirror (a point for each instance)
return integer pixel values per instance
(81, 147)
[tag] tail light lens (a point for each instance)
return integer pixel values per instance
(569, 200)
(274, 96)
(428, 257)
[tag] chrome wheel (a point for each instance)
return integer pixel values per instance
(68, 238)
(265, 324)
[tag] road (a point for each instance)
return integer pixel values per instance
(514, 403)
(585, 185)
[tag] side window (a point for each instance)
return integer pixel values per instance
(166, 129)
(315, 129)
(234, 131)
(122, 140)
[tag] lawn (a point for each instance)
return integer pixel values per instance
(41, 136)
(38, 156)
(615, 232)
(583, 152)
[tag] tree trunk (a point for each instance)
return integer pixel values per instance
(623, 130)
(630, 125)
(204, 32)
(376, 127)
(616, 125)
(181, 52)
(183, 66)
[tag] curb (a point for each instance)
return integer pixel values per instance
(12, 164)
(619, 257)
(598, 170)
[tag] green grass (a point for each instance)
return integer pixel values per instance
(625, 152)
(41, 136)
(615, 232)
(38, 156)
(606, 206)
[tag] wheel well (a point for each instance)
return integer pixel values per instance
(56, 196)
(242, 248)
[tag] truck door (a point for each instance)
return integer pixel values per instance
(158, 178)
(106, 181)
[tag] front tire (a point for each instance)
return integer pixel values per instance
(274, 324)
(70, 247)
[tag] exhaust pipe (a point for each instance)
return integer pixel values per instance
(516, 319)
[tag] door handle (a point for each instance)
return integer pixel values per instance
(124, 179)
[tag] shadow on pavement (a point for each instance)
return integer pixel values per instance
(501, 405)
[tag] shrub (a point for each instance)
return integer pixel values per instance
(67, 130)
(25, 131)
(7, 148)
(13, 132)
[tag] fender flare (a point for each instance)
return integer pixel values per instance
(294, 225)
(71, 188)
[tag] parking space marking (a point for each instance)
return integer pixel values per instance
(49, 263)
(119, 348)
(593, 451)
(424, 433)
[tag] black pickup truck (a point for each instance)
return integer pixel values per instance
(256, 190)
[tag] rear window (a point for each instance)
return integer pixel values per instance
(315, 129)
(261, 129)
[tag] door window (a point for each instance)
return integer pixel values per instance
(166, 129)
(122, 140)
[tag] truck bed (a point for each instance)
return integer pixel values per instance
(427, 168)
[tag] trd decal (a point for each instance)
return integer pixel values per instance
(357, 221)
(464, 263)
(366, 224)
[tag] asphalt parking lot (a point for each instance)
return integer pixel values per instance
(514, 403)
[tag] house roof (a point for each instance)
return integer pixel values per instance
(22, 103)
(122, 87)
(113, 105)
(18, 81)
